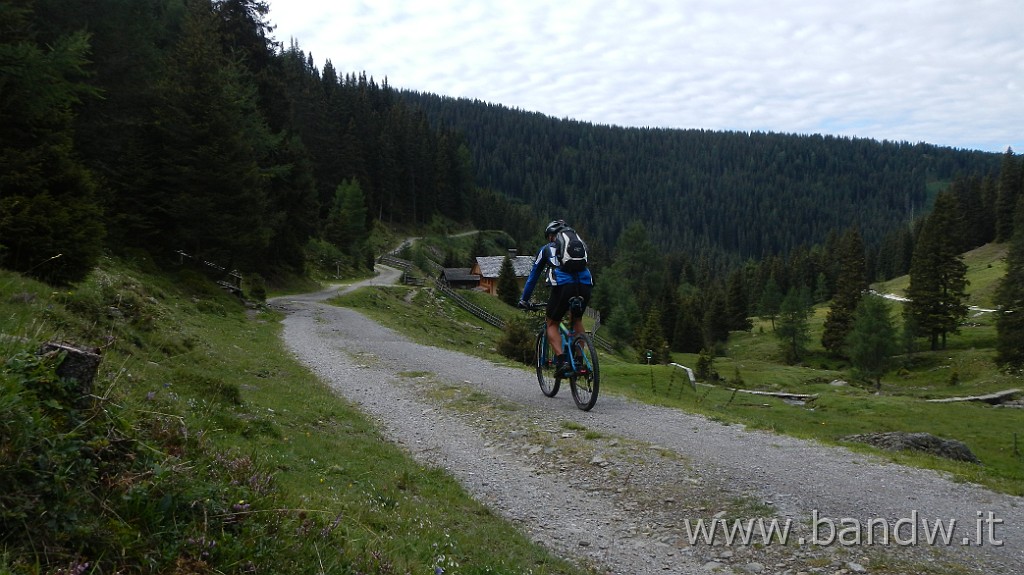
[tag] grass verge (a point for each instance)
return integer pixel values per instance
(205, 448)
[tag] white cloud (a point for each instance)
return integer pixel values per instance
(941, 71)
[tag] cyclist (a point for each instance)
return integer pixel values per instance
(567, 288)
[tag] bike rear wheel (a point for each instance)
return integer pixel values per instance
(586, 379)
(544, 360)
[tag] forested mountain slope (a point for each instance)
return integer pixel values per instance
(743, 194)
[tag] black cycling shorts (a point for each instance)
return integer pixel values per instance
(558, 303)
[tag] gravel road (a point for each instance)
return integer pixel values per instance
(620, 488)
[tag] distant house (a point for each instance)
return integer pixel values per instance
(489, 268)
(463, 278)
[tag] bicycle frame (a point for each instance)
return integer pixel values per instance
(583, 374)
(567, 336)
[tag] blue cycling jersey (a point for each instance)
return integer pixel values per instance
(547, 261)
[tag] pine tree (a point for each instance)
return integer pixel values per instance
(736, 305)
(793, 330)
(651, 337)
(771, 301)
(625, 317)
(508, 285)
(630, 285)
(938, 275)
(851, 283)
(871, 342)
(687, 336)
(294, 209)
(1010, 182)
(1010, 299)
(212, 140)
(346, 222)
(705, 369)
(50, 219)
(715, 323)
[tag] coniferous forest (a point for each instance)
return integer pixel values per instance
(186, 126)
(740, 195)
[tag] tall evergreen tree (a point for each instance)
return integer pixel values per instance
(1010, 299)
(508, 285)
(687, 336)
(113, 133)
(871, 342)
(651, 337)
(347, 224)
(938, 275)
(630, 285)
(850, 286)
(977, 216)
(793, 330)
(668, 304)
(715, 322)
(737, 308)
(50, 218)
(293, 206)
(1011, 180)
(770, 302)
(214, 191)
(626, 316)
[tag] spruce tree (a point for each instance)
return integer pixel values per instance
(851, 283)
(346, 223)
(938, 275)
(872, 342)
(1010, 182)
(626, 316)
(771, 301)
(687, 336)
(715, 323)
(210, 136)
(793, 330)
(651, 337)
(50, 218)
(1010, 299)
(736, 305)
(508, 285)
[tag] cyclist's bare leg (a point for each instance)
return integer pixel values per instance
(554, 338)
(577, 325)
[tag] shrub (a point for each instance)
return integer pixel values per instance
(517, 341)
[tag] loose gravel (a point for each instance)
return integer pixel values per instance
(619, 489)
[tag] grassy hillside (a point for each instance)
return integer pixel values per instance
(985, 267)
(752, 361)
(206, 449)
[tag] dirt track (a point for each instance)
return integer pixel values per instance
(615, 487)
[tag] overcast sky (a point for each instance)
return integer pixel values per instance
(945, 72)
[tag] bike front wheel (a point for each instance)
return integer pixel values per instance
(586, 377)
(544, 360)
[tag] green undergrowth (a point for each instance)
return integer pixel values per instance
(203, 447)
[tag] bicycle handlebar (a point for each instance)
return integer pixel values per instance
(534, 306)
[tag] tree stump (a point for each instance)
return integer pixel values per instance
(79, 364)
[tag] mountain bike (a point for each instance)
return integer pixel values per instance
(581, 369)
